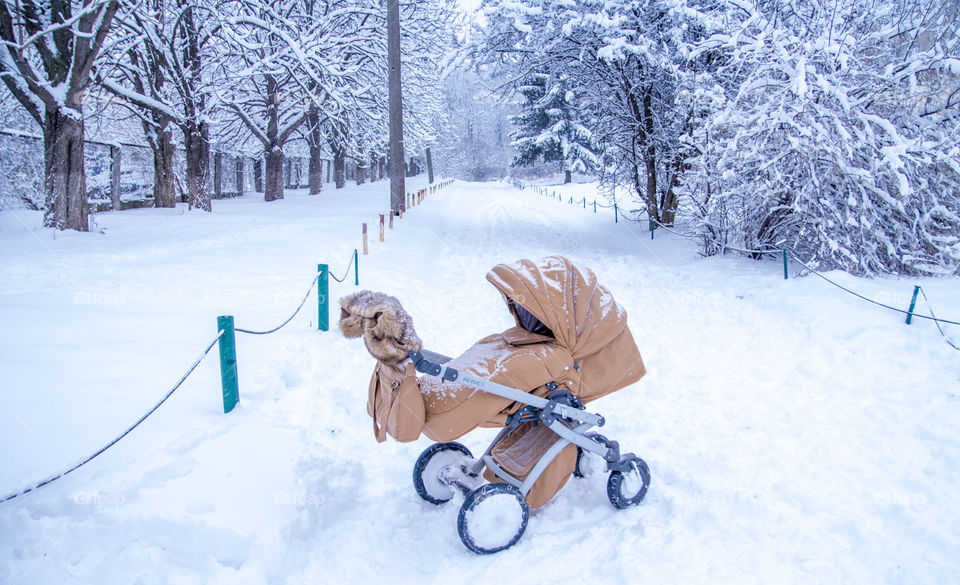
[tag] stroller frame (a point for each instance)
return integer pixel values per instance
(561, 412)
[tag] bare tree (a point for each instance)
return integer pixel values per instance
(161, 69)
(293, 61)
(49, 52)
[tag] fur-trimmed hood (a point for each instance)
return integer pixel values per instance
(387, 329)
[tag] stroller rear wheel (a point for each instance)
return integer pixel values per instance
(628, 487)
(492, 518)
(431, 464)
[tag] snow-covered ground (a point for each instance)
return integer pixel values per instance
(795, 434)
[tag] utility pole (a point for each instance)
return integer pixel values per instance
(397, 166)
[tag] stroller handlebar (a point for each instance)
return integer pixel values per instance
(433, 368)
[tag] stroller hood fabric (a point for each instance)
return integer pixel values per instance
(567, 298)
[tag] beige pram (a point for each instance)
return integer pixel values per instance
(571, 345)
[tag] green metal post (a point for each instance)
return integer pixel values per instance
(323, 290)
(616, 215)
(652, 228)
(228, 363)
(786, 273)
(356, 269)
(594, 205)
(913, 304)
(584, 202)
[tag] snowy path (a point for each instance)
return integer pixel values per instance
(794, 434)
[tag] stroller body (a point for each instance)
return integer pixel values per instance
(571, 345)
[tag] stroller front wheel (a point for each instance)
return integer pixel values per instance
(628, 487)
(492, 518)
(427, 471)
(581, 469)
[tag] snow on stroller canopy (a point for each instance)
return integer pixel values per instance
(567, 298)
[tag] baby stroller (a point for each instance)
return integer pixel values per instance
(571, 345)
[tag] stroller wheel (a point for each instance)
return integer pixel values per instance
(426, 472)
(492, 518)
(627, 488)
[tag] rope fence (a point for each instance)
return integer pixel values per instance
(786, 252)
(226, 339)
(77, 466)
(228, 367)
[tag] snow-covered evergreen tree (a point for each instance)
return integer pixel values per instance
(548, 128)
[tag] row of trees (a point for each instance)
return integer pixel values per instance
(832, 128)
(251, 74)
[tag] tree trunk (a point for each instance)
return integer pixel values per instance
(668, 207)
(650, 153)
(258, 175)
(240, 176)
(218, 175)
(567, 176)
(429, 166)
(340, 169)
(316, 170)
(273, 187)
(361, 171)
(315, 137)
(398, 191)
(197, 146)
(65, 178)
(164, 182)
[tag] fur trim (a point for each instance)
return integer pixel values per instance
(351, 325)
(386, 327)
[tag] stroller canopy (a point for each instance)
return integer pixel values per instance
(581, 313)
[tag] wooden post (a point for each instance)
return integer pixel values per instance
(381, 227)
(391, 219)
(115, 177)
(365, 251)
